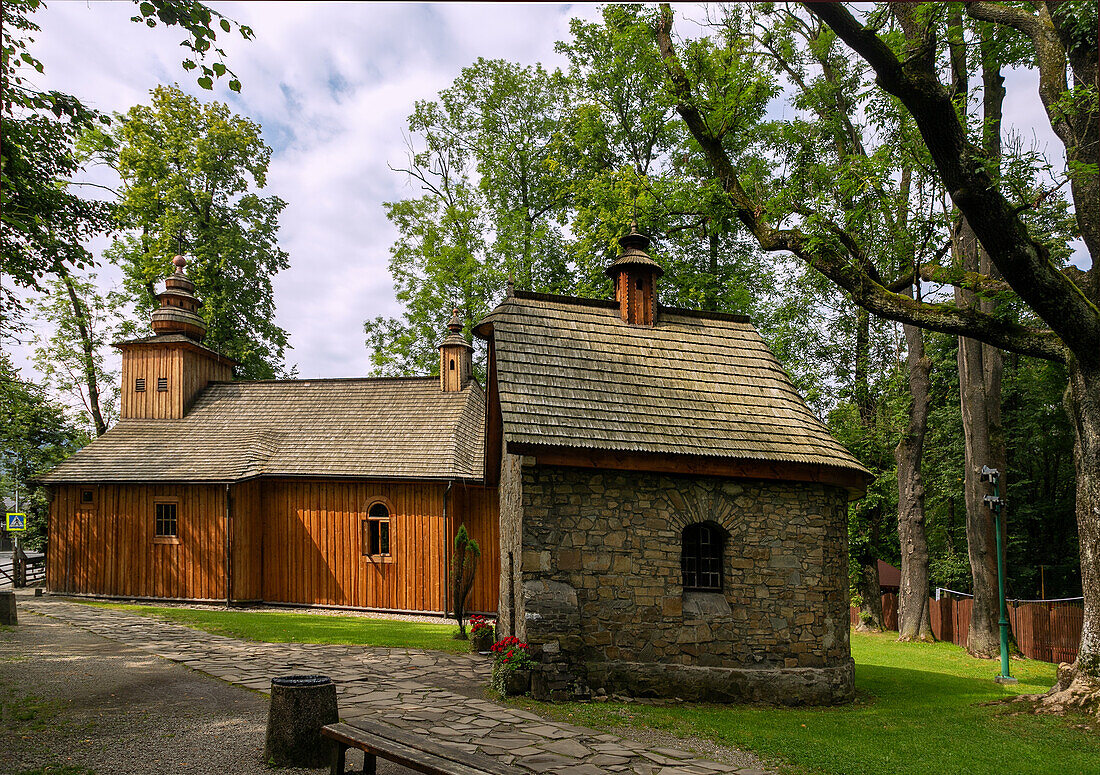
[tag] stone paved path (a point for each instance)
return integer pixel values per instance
(402, 687)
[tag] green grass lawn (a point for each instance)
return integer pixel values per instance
(918, 713)
(286, 627)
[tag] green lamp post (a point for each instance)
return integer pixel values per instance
(996, 503)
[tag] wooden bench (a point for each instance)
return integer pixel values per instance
(407, 749)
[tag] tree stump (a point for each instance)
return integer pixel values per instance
(300, 706)
(8, 614)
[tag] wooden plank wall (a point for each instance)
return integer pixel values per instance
(246, 510)
(479, 509)
(312, 550)
(108, 548)
(188, 373)
(151, 363)
(199, 370)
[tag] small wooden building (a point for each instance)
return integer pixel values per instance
(342, 492)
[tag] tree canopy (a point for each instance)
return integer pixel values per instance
(190, 174)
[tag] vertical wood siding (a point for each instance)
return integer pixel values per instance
(150, 364)
(312, 545)
(188, 372)
(108, 548)
(246, 510)
(200, 370)
(478, 508)
(292, 542)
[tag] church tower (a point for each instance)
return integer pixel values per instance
(455, 358)
(164, 373)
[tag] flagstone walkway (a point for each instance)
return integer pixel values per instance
(415, 690)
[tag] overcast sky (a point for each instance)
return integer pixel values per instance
(332, 85)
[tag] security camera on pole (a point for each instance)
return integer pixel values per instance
(996, 502)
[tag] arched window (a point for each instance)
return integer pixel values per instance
(701, 557)
(376, 531)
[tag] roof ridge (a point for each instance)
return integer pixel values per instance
(611, 304)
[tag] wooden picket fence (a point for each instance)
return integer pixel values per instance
(1047, 631)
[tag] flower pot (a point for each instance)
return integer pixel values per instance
(510, 682)
(517, 682)
(482, 640)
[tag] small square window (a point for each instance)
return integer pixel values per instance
(139, 385)
(166, 524)
(87, 496)
(162, 384)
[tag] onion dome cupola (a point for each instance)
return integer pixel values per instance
(455, 358)
(178, 311)
(635, 275)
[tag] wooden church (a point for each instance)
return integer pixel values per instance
(659, 511)
(342, 492)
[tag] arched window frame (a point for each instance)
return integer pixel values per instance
(702, 549)
(377, 530)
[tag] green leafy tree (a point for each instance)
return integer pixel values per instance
(44, 222)
(36, 435)
(491, 206)
(189, 173)
(71, 357)
(535, 175)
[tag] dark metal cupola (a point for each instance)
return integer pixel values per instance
(635, 275)
(178, 311)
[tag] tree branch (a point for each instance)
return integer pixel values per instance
(1000, 13)
(1022, 260)
(830, 260)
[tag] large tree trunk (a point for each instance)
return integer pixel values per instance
(869, 589)
(980, 367)
(914, 620)
(867, 581)
(1079, 684)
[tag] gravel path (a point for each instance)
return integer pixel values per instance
(74, 703)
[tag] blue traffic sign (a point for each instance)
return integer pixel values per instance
(15, 522)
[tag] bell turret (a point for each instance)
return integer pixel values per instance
(163, 374)
(455, 358)
(635, 275)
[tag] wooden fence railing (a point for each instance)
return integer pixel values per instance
(26, 572)
(1047, 631)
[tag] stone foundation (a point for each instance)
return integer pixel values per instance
(776, 686)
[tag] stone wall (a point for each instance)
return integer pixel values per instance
(605, 605)
(510, 609)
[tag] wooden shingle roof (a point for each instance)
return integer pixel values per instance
(571, 374)
(378, 428)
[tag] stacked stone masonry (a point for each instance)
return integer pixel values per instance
(604, 608)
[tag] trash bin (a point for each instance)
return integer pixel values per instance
(300, 706)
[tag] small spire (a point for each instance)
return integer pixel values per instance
(634, 239)
(510, 288)
(179, 262)
(455, 324)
